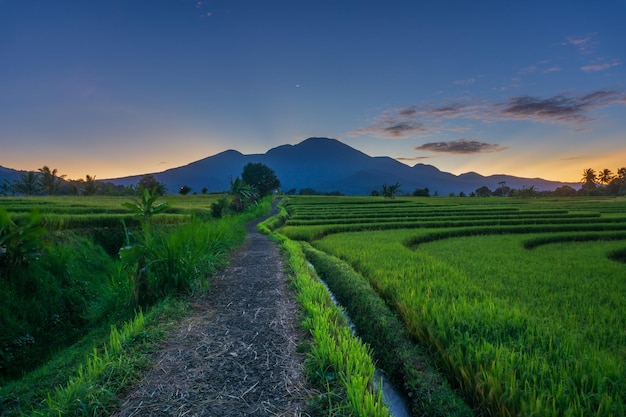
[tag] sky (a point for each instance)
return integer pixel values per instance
(126, 87)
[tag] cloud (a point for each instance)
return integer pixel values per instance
(427, 120)
(558, 109)
(585, 44)
(469, 81)
(461, 146)
(413, 159)
(599, 67)
(393, 127)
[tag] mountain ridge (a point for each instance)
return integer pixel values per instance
(328, 165)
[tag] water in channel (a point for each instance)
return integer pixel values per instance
(394, 399)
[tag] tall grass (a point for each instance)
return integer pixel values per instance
(74, 287)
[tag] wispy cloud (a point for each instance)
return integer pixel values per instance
(427, 120)
(461, 146)
(599, 66)
(565, 109)
(413, 159)
(584, 43)
(468, 81)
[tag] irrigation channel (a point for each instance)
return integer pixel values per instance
(394, 399)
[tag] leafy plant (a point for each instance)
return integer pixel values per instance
(243, 194)
(19, 244)
(146, 206)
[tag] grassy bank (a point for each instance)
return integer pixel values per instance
(84, 374)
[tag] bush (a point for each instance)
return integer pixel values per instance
(48, 304)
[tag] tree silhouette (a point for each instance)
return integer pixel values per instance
(149, 182)
(390, 191)
(28, 184)
(261, 177)
(605, 176)
(90, 187)
(49, 180)
(589, 177)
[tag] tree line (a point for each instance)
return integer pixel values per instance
(47, 181)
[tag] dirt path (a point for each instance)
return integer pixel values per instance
(236, 354)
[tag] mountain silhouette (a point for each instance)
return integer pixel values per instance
(328, 165)
(325, 165)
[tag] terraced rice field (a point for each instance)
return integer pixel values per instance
(521, 301)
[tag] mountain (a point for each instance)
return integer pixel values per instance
(9, 175)
(328, 165)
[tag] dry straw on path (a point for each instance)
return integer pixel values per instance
(235, 355)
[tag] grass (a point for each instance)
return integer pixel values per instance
(519, 331)
(86, 377)
(339, 363)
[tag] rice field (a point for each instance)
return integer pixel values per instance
(521, 301)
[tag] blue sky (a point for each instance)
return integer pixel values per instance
(123, 87)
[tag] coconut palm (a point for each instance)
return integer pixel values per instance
(90, 187)
(605, 176)
(589, 177)
(28, 183)
(6, 188)
(49, 180)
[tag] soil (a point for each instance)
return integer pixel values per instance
(235, 355)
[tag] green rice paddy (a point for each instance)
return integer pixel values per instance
(521, 301)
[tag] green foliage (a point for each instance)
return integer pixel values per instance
(261, 177)
(421, 192)
(19, 244)
(88, 378)
(243, 195)
(390, 191)
(146, 206)
(49, 180)
(149, 182)
(28, 184)
(395, 352)
(339, 364)
(75, 289)
(177, 259)
(519, 332)
(218, 208)
(48, 304)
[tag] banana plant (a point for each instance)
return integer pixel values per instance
(145, 206)
(20, 243)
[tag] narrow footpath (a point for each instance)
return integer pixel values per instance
(235, 355)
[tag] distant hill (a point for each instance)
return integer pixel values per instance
(9, 174)
(328, 165)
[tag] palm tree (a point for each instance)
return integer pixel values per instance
(390, 191)
(28, 183)
(90, 187)
(49, 180)
(6, 188)
(605, 176)
(589, 178)
(621, 173)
